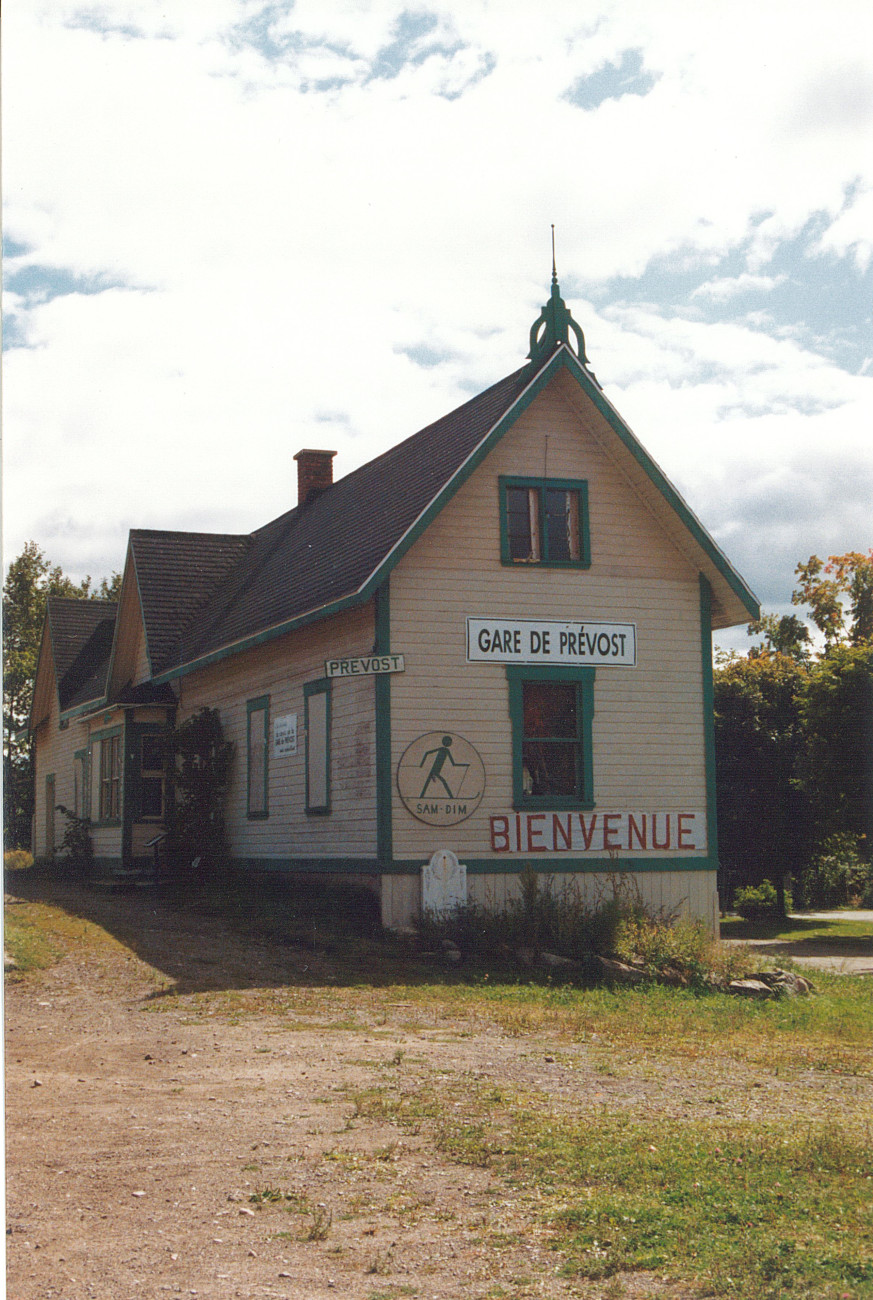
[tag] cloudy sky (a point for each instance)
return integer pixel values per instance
(236, 228)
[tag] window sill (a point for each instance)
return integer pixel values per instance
(545, 564)
(553, 805)
(257, 817)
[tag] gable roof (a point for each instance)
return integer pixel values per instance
(80, 635)
(205, 596)
(175, 575)
(334, 551)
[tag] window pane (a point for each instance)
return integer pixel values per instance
(550, 767)
(257, 757)
(317, 751)
(562, 524)
(152, 754)
(549, 709)
(522, 523)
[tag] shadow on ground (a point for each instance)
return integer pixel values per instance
(209, 938)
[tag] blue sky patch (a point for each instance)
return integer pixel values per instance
(425, 355)
(820, 300)
(612, 81)
(96, 20)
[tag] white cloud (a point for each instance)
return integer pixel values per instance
(280, 250)
(726, 287)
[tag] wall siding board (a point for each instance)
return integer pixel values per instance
(280, 670)
(647, 735)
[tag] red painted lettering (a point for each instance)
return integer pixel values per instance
(561, 829)
(655, 844)
(587, 831)
(685, 833)
(499, 834)
(533, 830)
(634, 830)
(609, 831)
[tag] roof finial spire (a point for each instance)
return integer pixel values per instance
(554, 323)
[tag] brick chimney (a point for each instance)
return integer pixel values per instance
(314, 473)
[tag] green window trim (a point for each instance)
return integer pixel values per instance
(81, 783)
(582, 680)
(317, 723)
(258, 758)
(543, 537)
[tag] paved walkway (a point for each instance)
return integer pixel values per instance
(853, 958)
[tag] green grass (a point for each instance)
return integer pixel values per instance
(797, 929)
(36, 935)
(754, 1210)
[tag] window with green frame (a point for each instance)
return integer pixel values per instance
(551, 711)
(544, 521)
(316, 700)
(257, 767)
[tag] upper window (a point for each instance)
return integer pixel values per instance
(258, 771)
(551, 711)
(544, 521)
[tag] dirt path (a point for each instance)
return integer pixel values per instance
(154, 1089)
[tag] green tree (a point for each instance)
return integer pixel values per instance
(836, 766)
(787, 635)
(759, 738)
(30, 580)
(840, 596)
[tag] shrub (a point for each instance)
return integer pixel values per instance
(757, 902)
(17, 859)
(541, 918)
(76, 846)
(199, 761)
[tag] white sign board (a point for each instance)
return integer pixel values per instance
(360, 667)
(534, 641)
(285, 735)
(443, 883)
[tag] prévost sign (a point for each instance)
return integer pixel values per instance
(537, 641)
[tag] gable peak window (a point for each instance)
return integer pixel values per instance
(544, 521)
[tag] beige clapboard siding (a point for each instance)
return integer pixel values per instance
(54, 755)
(647, 493)
(672, 894)
(280, 669)
(647, 728)
(130, 658)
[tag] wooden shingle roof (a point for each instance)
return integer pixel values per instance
(202, 592)
(81, 633)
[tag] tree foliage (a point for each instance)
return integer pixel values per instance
(840, 596)
(759, 741)
(794, 734)
(30, 579)
(199, 762)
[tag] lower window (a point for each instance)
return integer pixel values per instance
(151, 777)
(316, 698)
(257, 732)
(551, 711)
(110, 778)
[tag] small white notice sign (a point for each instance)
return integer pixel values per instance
(364, 666)
(285, 735)
(535, 641)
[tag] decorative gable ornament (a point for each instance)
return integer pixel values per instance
(553, 326)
